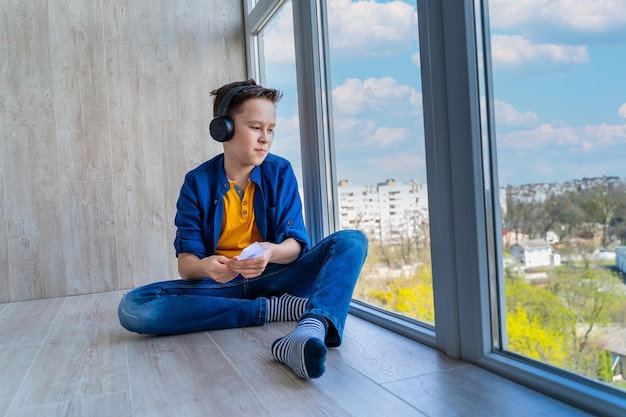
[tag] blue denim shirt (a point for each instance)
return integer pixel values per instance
(200, 206)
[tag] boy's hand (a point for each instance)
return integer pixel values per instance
(251, 267)
(219, 269)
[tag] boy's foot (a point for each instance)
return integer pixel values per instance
(303, 350)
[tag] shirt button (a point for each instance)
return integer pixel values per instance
(290, 223)
(245, 212)
(245, 203)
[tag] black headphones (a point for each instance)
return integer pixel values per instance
(222, 127)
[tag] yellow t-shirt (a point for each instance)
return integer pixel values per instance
(238, 225)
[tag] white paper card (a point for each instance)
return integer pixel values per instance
(251, 251)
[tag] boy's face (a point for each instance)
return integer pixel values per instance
(254, 133)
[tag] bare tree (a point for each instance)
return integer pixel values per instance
(602, 204)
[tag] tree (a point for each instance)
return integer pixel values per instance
(541, 306)
(537, 323)
(555, 324)
(605, 368)
(592, 294)
(412, 297)
(529, 337)
(602, 204)
(566, 211)
(523, 217)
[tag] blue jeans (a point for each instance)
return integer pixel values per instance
(326, 275)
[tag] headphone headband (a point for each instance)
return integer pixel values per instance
(223, 106)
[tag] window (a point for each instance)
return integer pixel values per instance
(278, 70)
(379, 150)
(560, 125)
(275, 67)
(465, 162)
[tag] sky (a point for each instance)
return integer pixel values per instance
(559, 78)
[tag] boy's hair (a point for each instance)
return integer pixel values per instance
(253, 91)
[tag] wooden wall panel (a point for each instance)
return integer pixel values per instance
(30, 153)
(89, 226)
(179, 65)
(5, 288)
(136, 143)
(226, 44)
(80, 90)
(137, 168)
(129, 21)
(104, 105)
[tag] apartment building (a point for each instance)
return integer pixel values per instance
(390, 211)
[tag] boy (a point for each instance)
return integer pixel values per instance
(247, 196)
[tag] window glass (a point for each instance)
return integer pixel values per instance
(379, 149)
(277, 56)
(559, 71)
(251, 3)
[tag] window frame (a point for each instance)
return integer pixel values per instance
(464, 219)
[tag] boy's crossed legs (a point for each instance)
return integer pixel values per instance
(182, 306)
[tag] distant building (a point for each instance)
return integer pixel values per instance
(620, 258)
(534, 253)
(390, 211)
(511, 237)
(552, 237)
(614, 340)
(539, 192)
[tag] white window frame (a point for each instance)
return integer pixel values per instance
(464, 220)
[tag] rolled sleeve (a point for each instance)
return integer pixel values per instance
(198, 210)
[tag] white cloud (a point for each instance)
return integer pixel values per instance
(508, 115)
(352, 132)
(517, 52)
(565, 138)
(388, 137)
(287, 133)
(365, 137)
(415, 58)
(586, 16)
(368, 28)
(622, 111)
(375, 168)
(362, 28)
(278, 37)
(375, 95)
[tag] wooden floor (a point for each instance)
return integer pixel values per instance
(69, 357)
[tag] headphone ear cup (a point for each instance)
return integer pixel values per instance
(222, 128)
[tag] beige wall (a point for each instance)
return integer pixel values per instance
(104, 106)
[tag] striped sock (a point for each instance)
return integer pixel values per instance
(287, 307)
(303, 350)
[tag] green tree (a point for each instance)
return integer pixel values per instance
(605, 370)
(593, 295)
(555, 324)
(412, 297)
(541, 306)
(529, 337)
(538, 324)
